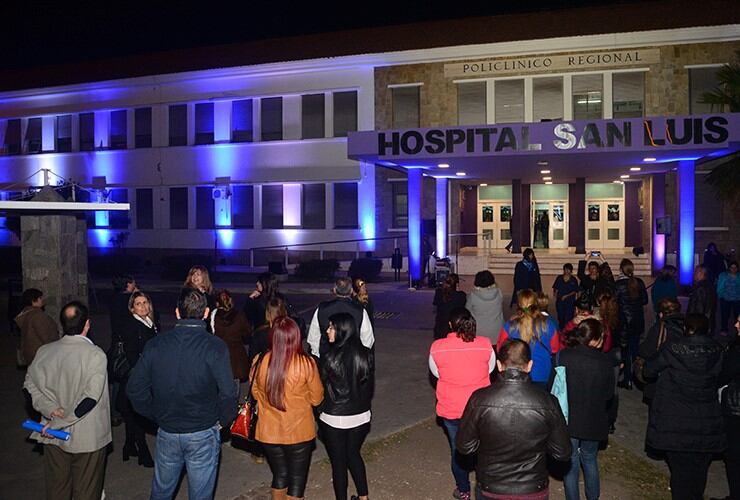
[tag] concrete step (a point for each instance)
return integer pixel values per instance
(552, 264)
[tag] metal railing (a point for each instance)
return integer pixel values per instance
(321, 245)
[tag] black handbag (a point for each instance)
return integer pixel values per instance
(118, 364)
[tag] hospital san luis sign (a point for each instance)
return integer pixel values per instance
(714, 131)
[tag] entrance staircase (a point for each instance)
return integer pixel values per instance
(500, 263)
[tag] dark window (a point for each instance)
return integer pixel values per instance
(118, 133)
(179, 125)
(312, 116)
(12, 141)
(272, 207)
(143, 128)
(118, 219)
(272, 119)
(400, 204)
(241, 121)
(242, 207)
(144, 208)
(708, 204)
(345, 205)
(204, 123)
(345, 113)
(64, 134)
(179, 208)
(405, 107)
(87, 131)
(314, 206)
(83, 196)
(33, 135)
(204, 207)
(701, 81)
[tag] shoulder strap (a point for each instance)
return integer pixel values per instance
(253, 373)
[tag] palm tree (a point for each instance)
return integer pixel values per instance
(725, 178)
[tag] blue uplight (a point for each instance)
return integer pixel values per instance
(100, 237)
(226, 238)
(686, 219)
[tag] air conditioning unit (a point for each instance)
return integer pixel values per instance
(221, 193)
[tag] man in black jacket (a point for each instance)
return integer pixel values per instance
(183, 382)
(703, 298)
(341, 303)
(514, 426)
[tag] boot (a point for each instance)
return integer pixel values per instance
(145, 458)
(294, 498)
(129, 446)
(281, 494)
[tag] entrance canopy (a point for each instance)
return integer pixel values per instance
(600, 150)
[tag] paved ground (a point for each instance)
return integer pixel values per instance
(407, 451)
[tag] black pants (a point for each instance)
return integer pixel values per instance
(289, 465)
(729, 310)
(688, 474)
(732, 456)
(343, 447)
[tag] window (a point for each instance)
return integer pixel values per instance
(241, 122)
(587, 95)
(204, 208)
(33, 135)
(143, 128)
(345, 113)
(312, 116)
(701, 80)
(12, 140)
(272, 119)
(118, 219)
(87, 131)
(179, 208)
(272, 207)
(64, 134)
(547, 96)
(242, 207)
(314, 206)
(400, 205)
(204, 123)
(708, 204)
(144, 208)
(179, 125)
(471, 103)
(509, 96)
(118, 132)
(628, 95)
(345, 205)
(405, 107)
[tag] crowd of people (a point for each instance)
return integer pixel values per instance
(600, 342)
(510, 392)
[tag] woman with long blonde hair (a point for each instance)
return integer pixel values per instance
(359, 288)
(530, 325)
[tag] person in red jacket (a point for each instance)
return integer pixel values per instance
(463, 363)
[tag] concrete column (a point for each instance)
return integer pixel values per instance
(292, 117)
(577, 215)
(329, 114)
(257, 206)
(366, 204)
(441, 202)
(222, 121)
(606, 97)
(414, 214)
(632, 224)
(329, 205)
(686, 220)
(75, 132)
(48, 133)
(658, 206)
(516, 217)
(256, 120)
(130, 128)
(191, 124)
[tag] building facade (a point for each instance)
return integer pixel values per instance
(566, 142)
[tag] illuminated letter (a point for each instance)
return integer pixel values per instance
(566, 133)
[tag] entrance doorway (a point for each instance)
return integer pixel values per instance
(605, 223)
(549, 224)
(494, 221)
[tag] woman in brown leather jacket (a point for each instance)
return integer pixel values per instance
(287, 386)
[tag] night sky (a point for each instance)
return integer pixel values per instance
(44, 33)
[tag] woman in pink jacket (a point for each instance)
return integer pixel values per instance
(463, 363)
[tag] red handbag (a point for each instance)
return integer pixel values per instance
(245, 425)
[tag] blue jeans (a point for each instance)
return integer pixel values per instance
(584, 454)
(198, 451)
(462, 480)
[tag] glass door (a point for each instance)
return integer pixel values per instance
(558, 224)
(604, 224)
(494, 224)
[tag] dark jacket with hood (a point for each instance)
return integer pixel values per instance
(671, 327)
(703, 300)
(631, 308)
(685, 414)
(730, 376)
(513, 426)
